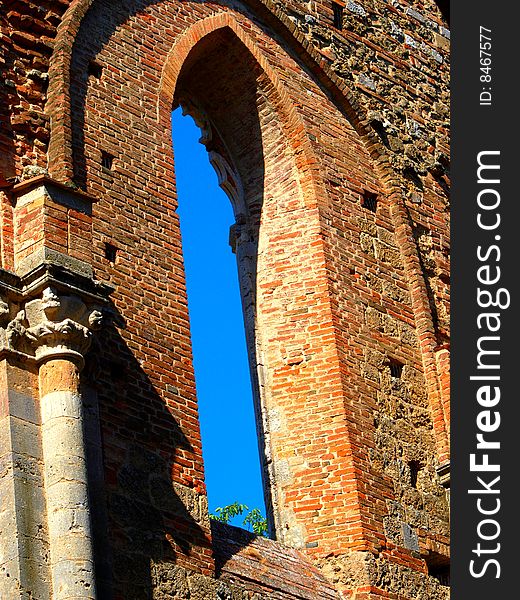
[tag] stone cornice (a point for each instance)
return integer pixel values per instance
(52, 185)
(51, 274)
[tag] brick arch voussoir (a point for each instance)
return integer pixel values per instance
(306, 162)
(58, 107)
(60, 159)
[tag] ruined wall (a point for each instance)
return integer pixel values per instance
(332, 142)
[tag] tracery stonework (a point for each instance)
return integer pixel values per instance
(330, 137)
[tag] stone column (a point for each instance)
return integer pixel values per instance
(60, 331)
(66, 486)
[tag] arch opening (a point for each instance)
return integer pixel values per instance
(230, 98)
(227, 421)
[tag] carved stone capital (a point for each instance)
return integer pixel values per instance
(64, 339)
(53, 326)
(230, 182)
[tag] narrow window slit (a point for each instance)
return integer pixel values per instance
(206, 212)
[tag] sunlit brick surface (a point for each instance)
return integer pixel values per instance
(305, 121)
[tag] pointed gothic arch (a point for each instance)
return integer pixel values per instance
(277, 151)
(323, 392)
(61, 164)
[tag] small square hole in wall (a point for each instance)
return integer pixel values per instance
(396, 369)
(414, 466)
(110, 252)
(337, 12)
(369, 201)
(95, 69)
(438, 567)
(444, 7)
(107, 161)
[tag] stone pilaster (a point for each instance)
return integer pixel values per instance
(23, 524)
(50, 304)
(51, 223)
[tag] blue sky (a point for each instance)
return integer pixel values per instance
(229, 439)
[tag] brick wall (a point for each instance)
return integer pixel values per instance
(335, 141)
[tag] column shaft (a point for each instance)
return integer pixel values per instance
(66, 486)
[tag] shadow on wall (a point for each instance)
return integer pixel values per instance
(141, 520)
